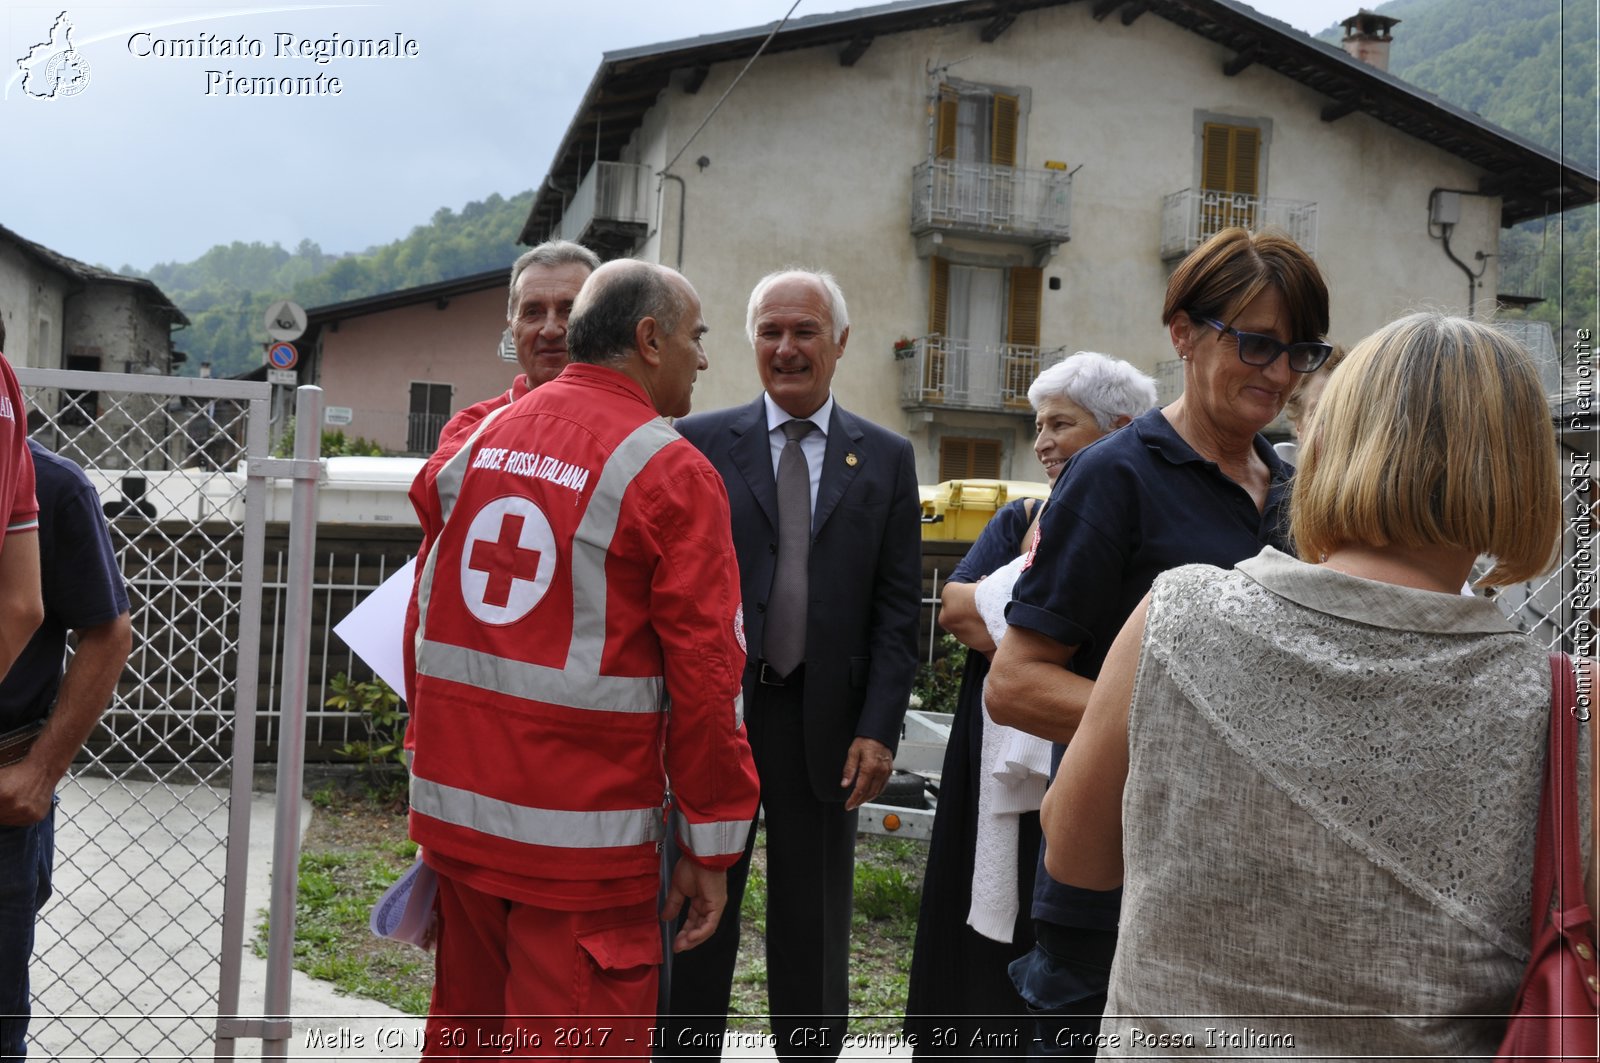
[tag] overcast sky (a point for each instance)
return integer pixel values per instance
(153, 161)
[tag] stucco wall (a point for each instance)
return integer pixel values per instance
(115, 323)
(811, 162)
(30, 295)
(370, 363)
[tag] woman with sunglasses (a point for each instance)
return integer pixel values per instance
(1192, 482)
(1345, 755)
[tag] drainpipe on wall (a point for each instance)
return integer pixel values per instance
(683, 206)
(1444, 210)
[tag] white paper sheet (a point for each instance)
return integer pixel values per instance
(375, 629)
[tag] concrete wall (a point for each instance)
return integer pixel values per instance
(370, 362)
(811, 162)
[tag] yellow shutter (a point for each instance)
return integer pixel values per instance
(933, 364)
(1022, 319)
(985, 459)
(938, 295)
(945, 129)
(1003, 131)
(1022, 334)
(1230, 158)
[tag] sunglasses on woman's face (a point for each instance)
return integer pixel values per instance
(1256, 349)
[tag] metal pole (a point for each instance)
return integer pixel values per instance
(292, 715)
(247, 691)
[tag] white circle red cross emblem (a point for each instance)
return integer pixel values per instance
(507, 560)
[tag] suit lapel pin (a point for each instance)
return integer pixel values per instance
(851, 460)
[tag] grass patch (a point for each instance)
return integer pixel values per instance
(888, 893)
(354, 851)
(356, 847)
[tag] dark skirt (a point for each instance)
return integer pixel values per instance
(961, 1002)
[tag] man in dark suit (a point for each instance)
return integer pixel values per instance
(831, 629)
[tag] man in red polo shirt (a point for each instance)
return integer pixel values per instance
(21, 608)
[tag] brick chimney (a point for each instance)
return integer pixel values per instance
(1367, 37)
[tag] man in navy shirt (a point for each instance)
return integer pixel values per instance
(46, 712)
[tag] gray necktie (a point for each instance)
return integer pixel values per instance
(784, 644)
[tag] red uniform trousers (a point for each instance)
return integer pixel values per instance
(515, 979)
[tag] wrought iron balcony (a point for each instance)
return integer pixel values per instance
(610, 211)
(1521, 280)
(1169, 381)
(937, 372)
(1005, 201)
(1190, 217)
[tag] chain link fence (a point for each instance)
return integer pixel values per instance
(130, 952)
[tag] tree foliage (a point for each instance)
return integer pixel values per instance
(226, 291)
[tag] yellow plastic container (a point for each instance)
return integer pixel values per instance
(959, 509)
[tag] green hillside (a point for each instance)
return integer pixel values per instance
(1528, 66)
(226, 291)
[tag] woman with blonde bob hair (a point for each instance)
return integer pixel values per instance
(1344, 751)
(1441, 438)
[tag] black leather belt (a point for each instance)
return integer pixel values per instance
(767, 676)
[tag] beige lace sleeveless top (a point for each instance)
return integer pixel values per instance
(1329, 818)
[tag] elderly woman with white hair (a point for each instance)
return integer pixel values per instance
(959, 985)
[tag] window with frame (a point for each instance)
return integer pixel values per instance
(430, 409)
(1230, 175)
(977, 125)
(986, 323)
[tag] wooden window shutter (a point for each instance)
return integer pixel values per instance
(944, 146)
(985, 459)
(969, 459)
(1230, 158)
(1022, 318)
(938, 296)
(1003, 131)
(1246, 155)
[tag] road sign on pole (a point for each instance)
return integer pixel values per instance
(282, 356)
(285, 320)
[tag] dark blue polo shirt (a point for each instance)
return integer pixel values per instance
(1124, 510)
(998, 543)
(81, 583)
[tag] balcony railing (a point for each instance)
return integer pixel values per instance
(943, 373)
(1520, 279)
(1169, 381)
(1190, 217)
(422, 431)
(613, 197)
(1006, 201)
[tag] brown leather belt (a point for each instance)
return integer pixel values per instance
(14, 745)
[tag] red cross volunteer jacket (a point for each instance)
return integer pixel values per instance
(578, 644)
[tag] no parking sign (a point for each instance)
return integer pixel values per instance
(282, 356)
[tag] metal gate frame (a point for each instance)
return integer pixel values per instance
(144, 427)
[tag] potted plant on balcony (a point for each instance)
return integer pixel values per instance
(904, 347)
